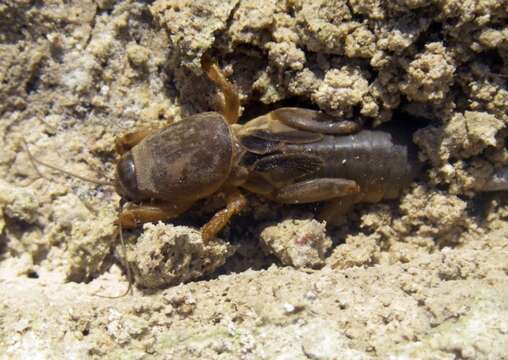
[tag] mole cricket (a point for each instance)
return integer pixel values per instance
(289, 155)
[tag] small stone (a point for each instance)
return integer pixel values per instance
(288, 308)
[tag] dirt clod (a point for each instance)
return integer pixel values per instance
(421, 277)
(166, 255)
(297, 243)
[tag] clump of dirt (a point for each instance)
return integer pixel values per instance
(17, 202)
(166, 255)
(423, 276)
(297, 243)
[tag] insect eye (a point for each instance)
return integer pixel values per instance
(127, 184)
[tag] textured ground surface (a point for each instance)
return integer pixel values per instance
(421, 277)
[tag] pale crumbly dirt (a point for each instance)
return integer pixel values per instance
(422, 277)
(297, 243)
(166, 255)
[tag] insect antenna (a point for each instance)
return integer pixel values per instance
(36, 161)
(124, 259)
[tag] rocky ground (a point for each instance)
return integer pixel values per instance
(421, 277)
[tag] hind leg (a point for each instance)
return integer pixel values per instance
(315, 190)
(333, 211)
(314, 121)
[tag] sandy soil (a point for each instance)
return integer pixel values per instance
(422, 277)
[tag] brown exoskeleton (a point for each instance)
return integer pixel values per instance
(289, 155)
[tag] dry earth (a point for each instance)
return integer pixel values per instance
(422, 277)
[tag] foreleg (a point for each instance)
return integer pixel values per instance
(133, 217)
(126, 142)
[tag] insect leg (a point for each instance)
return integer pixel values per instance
(231, 110)
(235, 202)
(131, 218)
(128, 141)
(334, 210)
(314, 121)
(316, 190)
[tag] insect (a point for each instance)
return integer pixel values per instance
(289, 155)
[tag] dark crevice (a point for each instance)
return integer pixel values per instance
(402, 119)
(221, 34)
(433, 34)
(460, 97)
(484, 204)
(33, 82)
(249, 254)
(354, 15)
(3, 244)
(492, 59)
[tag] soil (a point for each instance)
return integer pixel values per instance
(421, 277)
